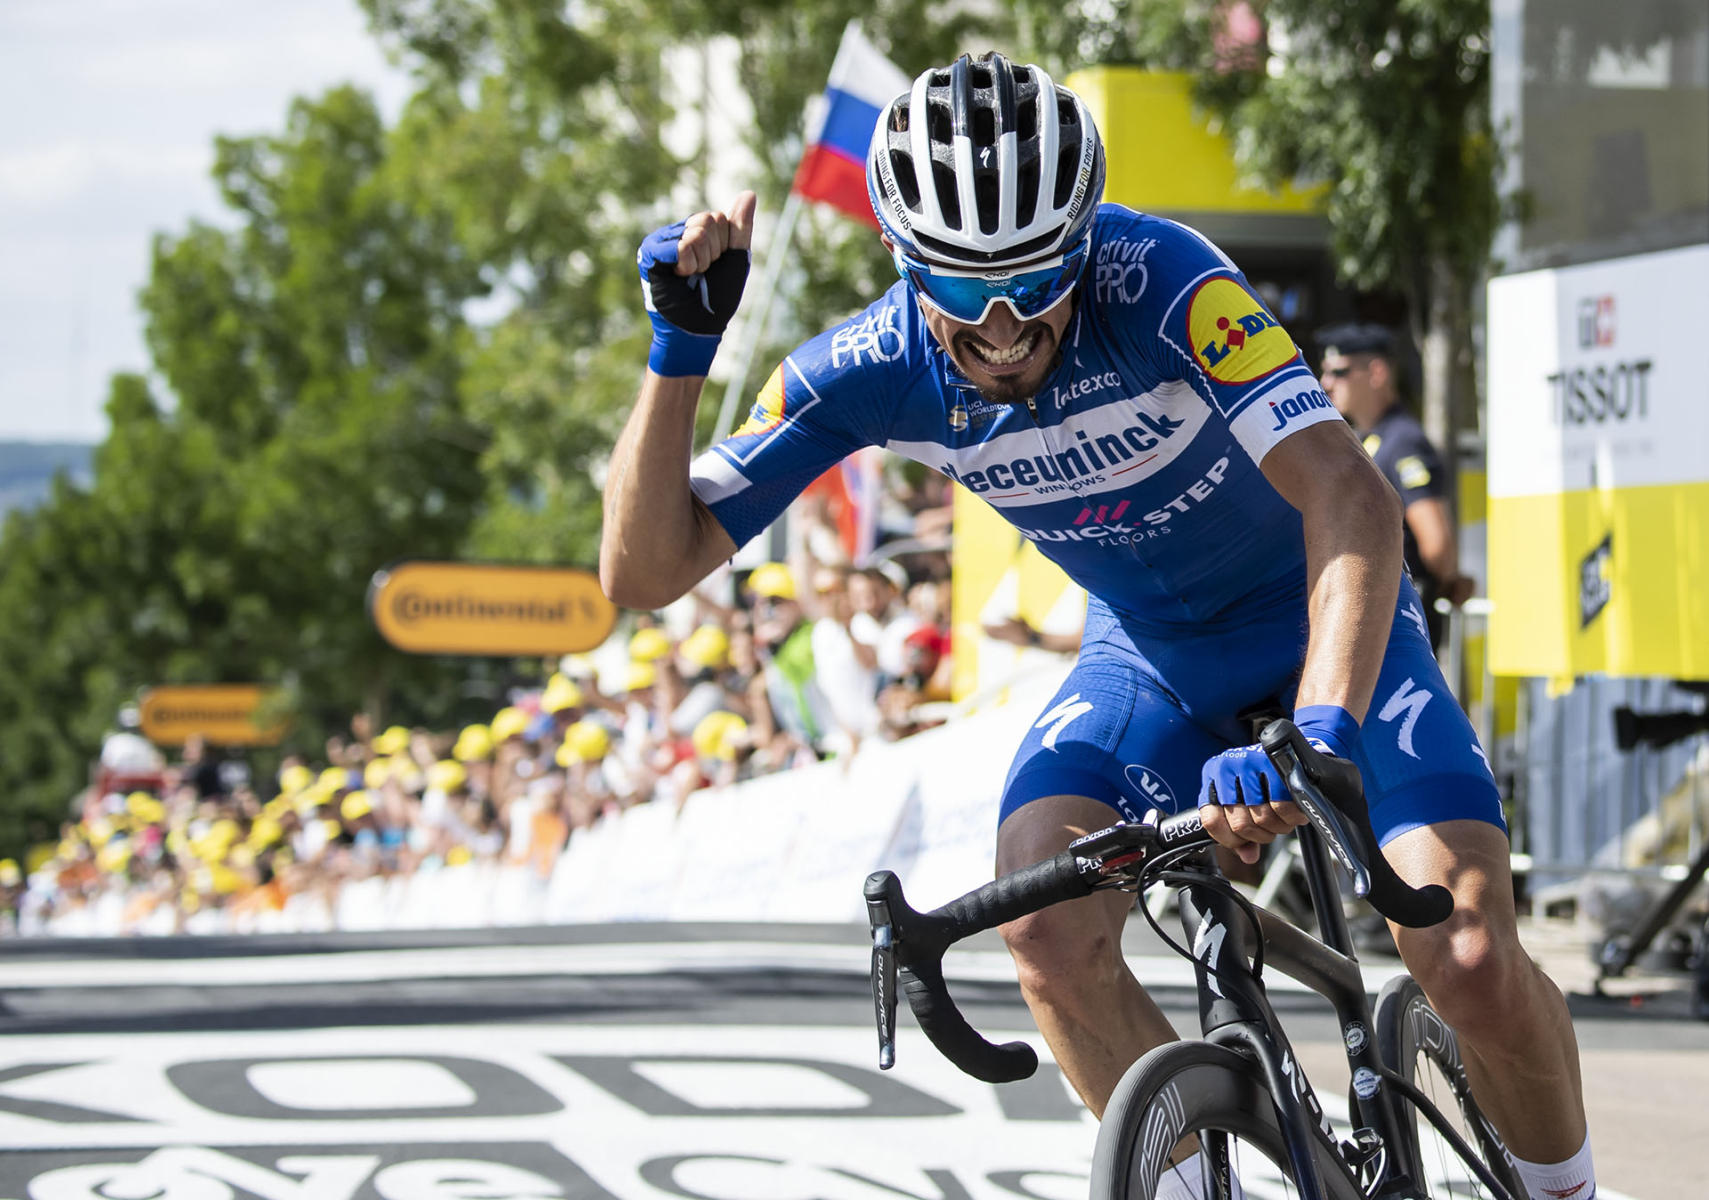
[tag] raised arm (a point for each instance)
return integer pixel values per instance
(659, 540)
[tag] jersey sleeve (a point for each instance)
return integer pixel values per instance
(1217, 335)
(819, 406)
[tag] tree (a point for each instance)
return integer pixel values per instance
(1386, 102)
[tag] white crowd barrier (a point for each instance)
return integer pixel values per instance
(795, 846)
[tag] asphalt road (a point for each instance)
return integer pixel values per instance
(710, 1062)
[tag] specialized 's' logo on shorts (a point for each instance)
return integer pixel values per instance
(1062, 715)
(1234, 339)
(1406, 703)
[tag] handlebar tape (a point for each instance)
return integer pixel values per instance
(922, 938)
(1329, 789)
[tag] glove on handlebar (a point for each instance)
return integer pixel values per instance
(1245, 774)
(688, 312)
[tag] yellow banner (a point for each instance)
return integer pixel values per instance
(483, 609)
(1603, 581)
(225, 714)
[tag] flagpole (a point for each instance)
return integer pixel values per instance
(776, 253)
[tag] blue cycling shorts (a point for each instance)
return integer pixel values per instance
(1139, 715)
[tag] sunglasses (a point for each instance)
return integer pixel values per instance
(969, 296)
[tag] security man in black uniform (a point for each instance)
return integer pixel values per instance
(1359, 375)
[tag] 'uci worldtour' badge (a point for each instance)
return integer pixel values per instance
(1234, 339)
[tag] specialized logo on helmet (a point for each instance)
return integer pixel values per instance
(1233, 338)
(767, 413)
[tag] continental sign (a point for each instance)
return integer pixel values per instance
(479, 609)
(226, 714)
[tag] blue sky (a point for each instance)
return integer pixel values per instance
(111, 109)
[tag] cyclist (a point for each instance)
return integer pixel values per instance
(1109, 383)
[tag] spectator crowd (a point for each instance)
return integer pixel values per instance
(806, 663)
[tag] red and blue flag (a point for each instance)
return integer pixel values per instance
(833, 168)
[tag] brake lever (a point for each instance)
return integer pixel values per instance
(1330, 822)
(883, 979)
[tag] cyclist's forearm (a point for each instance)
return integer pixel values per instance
(658, 540)
(1353, 564)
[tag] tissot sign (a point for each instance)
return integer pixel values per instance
(479, 608)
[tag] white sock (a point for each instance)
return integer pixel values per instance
(1182, 1182)
(1574, 1179)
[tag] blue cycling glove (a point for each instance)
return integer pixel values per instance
(1245, 775)
(689, 312)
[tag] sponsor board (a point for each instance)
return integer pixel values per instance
(1598, 473)
(226, 714)
(482, 608)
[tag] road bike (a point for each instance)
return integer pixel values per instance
(1238, 1094)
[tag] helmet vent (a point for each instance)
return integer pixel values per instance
(1065, 171)
(939, 122)
(979, 76)
(984, 127)
(1026, 119)
(903, 168)
(1026, 205)
(987, 197)
(944, 179)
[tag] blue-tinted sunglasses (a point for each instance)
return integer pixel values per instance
(968, 296)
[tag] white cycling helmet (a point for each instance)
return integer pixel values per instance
(985, 164)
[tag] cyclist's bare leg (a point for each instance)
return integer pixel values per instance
(1515, 1034)
(1092, 1011)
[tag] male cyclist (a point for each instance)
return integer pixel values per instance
(1109, 383)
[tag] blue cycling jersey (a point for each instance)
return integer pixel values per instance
(1135, 468)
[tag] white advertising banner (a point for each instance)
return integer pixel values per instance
(1599, 375)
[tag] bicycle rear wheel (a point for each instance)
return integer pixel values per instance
(1419, 1047)
(1188, 1088)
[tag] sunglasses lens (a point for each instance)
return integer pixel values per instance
(969, 296)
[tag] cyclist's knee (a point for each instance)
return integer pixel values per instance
(1474, 975)
(1066, 947)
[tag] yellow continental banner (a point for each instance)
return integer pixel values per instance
(225, 714)
(482, 609)
(1601, 581)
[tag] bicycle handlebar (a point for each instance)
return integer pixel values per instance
(912, 943)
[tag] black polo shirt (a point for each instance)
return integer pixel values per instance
(1404, 455)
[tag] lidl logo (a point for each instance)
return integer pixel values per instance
(767, 413)
(1234, 339)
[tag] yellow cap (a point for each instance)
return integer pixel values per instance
(335, 779)
(145, 809)
(561, 693)
(356, 806)
(447, 775)
(264, 832)
(719, 735)
(772, 579)
(375, 774)
(223, 879)
(640, 675)
(585, 741)
(458, 855)
(707, 646)
(474, 744)
(10, 875)
(394, 741)
(98, 831)
(294, 779)
(649, 645)
(508, 723)
(114, 857)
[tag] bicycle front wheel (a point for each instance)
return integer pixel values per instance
(1193, 1089)
(1417, 1045)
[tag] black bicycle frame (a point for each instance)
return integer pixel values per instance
(1234, 1010)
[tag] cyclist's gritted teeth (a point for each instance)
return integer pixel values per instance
(1006, 360)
